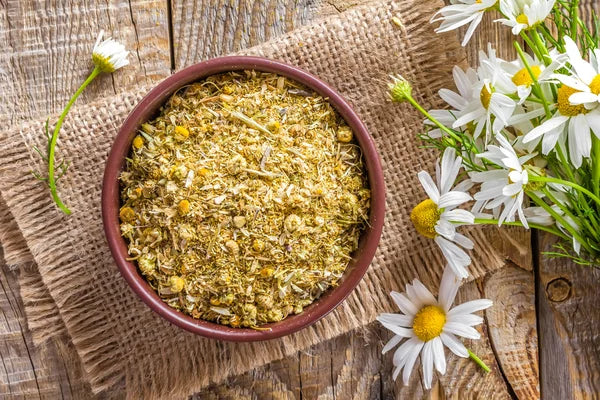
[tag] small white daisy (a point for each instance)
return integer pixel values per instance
(109, 55)
(504, 186)
(429, 324)
(490, 106)
(585, 78)
(462, 12)
(524, 14)
(437, 217)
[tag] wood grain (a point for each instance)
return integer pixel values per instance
(203, 29)
(568, 304)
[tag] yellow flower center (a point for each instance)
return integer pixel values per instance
(523, 78)
(595, 85)
(564, 106)
(429, 322)
(485, 96)
(103, 63)
(424, 217)
(522, 19)
(478, 1)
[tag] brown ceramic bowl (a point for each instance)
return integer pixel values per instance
(148, 108)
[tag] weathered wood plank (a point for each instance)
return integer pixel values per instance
(568, 316)
(511, 324)
(45, 49)
(28, 372)
(203, 29)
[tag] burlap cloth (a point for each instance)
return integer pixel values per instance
(76, 288)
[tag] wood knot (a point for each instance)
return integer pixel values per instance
(558, 289)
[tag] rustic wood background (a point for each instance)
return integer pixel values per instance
(540, 338)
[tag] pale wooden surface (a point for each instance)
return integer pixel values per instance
(44, 50)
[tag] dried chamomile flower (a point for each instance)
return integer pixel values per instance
(244, 199)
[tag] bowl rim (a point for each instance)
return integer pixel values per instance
(110, 201)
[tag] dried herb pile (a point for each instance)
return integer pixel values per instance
(243, 200)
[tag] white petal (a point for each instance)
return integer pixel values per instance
(452, 98)
(593, 120)
(470, 307)
(448, 288)
(403, 351)
(391, 343)
(410, 361)
(583, 97)
(427, 361)
(546, 126)
(571, 82)
(429, 186)
(458, 215)
(472, 28)
(454, 344)
(463, 241)
(405, 305)
(450, 167)
(456, 257)
(467, 319)
(398, 330)
(461, 330)
(512, 189)
(583, 68)
(439, 358)
(423, 293)
(445, 229)
(453, 199)
(396, 319)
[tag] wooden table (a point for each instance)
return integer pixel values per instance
(541, 336)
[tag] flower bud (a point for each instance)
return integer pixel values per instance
(400, 89)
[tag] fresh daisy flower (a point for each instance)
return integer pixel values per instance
(460, 13)
(437, 217)
(428, 324)
(109, 55)
(489, 106)
(505, 186)
(585, 78)
(524, 14)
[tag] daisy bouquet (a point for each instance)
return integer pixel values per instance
(520, 145)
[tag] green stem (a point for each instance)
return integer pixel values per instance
(596, 165)
(437, 123)
(478, 361)
(565, 164)
(530, 44)
(559, 219)
(556, 232)
(52, 147)
(567, 212)
(541, 47)
(573, 15)
(573, 185)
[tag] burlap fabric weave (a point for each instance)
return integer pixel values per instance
(78, 290)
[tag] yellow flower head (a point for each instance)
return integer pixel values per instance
(424, 217)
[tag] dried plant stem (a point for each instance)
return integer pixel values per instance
(52, 146)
